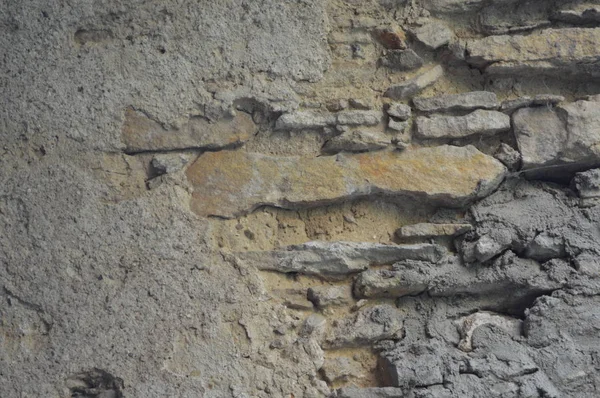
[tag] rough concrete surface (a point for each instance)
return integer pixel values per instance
(299, 199)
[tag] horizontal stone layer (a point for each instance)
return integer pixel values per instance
(455, 102)
(140, 133)
(478, 122)
(337, 259)
(553, 51)
(231, 183)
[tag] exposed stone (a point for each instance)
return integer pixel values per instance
(367, 326)
(360, 103)
(477, 122)
(402, 60)
(508, 156)
(569, 134)
(397, 126)
(457, 6)
(327, 296)
(488, 247)
(294, 298)
(457, 102)
(337, 105)
(578, 13)
(230, 183)
(359, 118)
(407, 278)
(587, 184)
(393, 38)
(467, 325)
(500, 18)
(547, 99)
(546, 246)
(370, 392)
(357, 141)
(341, 369)
(304, 120)
(540, 135)
(140, 133)
(433, 35)
(412, 86)
(314, 324)
(168, 163)
(399, 110)
(337, 259)
(554, 51)
(509, 106)
(428, 230)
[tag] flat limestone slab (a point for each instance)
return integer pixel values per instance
(140, 133)
(478, 122)
(457, 102)
(553, 51)
(231, 183)
(335, 260)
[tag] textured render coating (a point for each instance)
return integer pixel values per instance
(231, 199)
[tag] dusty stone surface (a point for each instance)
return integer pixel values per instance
(400, 111)
(245, 181)
(357, 141)
(508, 156)
(457, 102)
(369, 325)
(546, 52)
(433, 35)
(587, 184)
(427, 230)
(567, 135)
(141, 133)
(402, 60)
(326, 296)
(578, 13)
(171, 226)
(478, 122)
(337, 259)
(413, 86)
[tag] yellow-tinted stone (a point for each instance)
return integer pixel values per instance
(231, 183)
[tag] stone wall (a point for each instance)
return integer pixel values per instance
(341, 198)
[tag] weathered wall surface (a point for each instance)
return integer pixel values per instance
(352, 199)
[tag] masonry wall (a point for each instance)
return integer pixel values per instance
(341, 198)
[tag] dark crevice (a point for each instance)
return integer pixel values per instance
(44, 317)
(190, 149)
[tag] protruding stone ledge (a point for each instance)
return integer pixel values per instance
(412, 86)
(231, 183)
(551, 51)
(457, 102)
(568, 135)
(477, 122)
(311, 120)
(336, 260)
(428, 230)
(140, 133)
